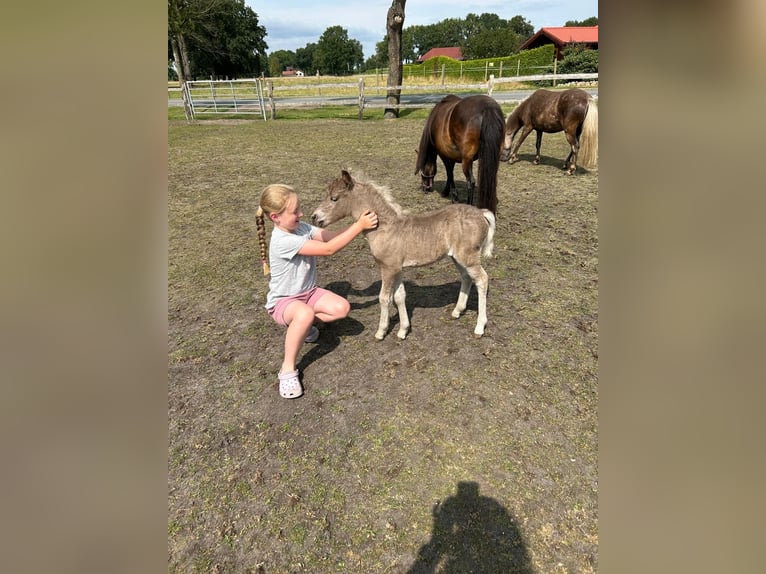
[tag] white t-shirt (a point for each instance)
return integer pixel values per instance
(291, 273)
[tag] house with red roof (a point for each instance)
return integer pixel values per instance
(562, 37)
(455, 53)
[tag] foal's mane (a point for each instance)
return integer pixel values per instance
(380, 196)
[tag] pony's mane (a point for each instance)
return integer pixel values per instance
(425, 142)
(517, 110)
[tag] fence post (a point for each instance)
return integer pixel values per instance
(443, 67)
(491, 84)
(270, 86)
(361, 98)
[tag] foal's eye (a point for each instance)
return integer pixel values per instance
(333, 198)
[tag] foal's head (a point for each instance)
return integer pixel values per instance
(339, 202)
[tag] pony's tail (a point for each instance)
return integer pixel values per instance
(588, 153)
(489, 241)
(260, 225)
(492, 138)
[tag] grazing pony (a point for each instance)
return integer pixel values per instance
(463, 130)
(462, 232)
(572, 111)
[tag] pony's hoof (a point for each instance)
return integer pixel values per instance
(402, 334)
(379, 336)
(477, 335)
(456, 314)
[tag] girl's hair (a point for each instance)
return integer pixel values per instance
(274, 199)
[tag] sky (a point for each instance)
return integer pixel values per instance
(291, 24)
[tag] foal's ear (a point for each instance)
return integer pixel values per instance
(347, 179)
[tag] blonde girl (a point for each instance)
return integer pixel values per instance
(294, 300)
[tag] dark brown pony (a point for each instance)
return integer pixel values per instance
(463, 130)
(572, 111)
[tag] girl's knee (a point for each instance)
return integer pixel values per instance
(339, 309)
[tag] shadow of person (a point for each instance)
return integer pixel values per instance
(475, 534)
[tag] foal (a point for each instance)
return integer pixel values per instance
(462, 232)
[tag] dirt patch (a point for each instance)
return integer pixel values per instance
(428, 454)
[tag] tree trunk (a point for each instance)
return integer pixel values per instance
(181, 58)
(394, 25)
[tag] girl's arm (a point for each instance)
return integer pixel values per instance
(330, 242)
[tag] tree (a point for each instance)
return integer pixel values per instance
(578, 58)
(394, 26)
(217, 37)
(304, 58)
(281, 60)
(522, 27)
(336, 54)
(229, 42)
(488, 35)
(592, 21)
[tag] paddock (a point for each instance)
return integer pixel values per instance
(353, 475)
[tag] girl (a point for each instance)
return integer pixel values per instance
(294, 299)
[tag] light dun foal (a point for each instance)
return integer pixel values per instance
(462, 232)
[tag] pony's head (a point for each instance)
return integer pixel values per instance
(427, 172)
(425, 165)
(512, 125)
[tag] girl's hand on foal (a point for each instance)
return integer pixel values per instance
(368, 220)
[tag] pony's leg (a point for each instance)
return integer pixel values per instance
(465, 289)
(538, 144)
(524, 133)
(386, 282)
(468, 172)
(481, 279)
(399, 298)
(449, 189)
(571, 162)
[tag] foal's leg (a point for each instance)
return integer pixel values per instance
(538, 144)
(465, 289)
(399, 298)
(481, 279)
(386, 281)
(391, 283)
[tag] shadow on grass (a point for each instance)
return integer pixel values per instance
(473, 533)
(418, 296)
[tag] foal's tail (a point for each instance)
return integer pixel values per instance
(492, 138)
(489, 240)
(588, 153)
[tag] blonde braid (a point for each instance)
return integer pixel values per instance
(274, 198)
(261, 227)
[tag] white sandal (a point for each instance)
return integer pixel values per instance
(290, 385)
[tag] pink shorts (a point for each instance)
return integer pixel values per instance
(310, 297)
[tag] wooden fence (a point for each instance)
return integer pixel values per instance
(261, 97)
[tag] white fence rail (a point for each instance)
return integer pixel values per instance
(260, 97)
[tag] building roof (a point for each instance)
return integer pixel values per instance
(455, 53)
(562, 35)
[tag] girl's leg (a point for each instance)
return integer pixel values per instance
(299, 318)
(331, 307)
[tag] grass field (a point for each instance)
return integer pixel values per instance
(439, 453)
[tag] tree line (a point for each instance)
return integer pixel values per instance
(223, 38)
